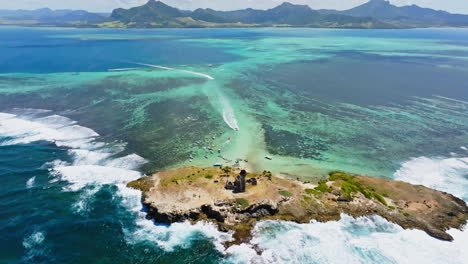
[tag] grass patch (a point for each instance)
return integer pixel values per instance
(242, 202)
(209, 176)
(339, 175)
(323, 187)
(406, 214)
(350, 185)
(379, 198)
(311, 191)
(143, 184)
(391, 207)
(285, 193)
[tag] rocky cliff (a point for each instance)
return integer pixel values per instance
(196, 194)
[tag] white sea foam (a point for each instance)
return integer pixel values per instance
(34, 246)
(361, 240)
(167, 237)
(60, 130)
(177, 234)
(365, 239)
(82, 175)
(350, 240)
(174, 69)
(444, 174)
(95, 164)
(30, 182)
(36, 238)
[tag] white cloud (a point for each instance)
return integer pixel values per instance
(455, 6)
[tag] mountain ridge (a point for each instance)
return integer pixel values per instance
(157, 14)
(406, 16)
(373, 14)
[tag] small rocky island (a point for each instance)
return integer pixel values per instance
(235, 200)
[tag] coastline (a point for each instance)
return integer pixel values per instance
(202, 194)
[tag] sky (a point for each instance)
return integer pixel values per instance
(454, 6)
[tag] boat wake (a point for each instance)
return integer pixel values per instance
(123, 69)
(228, 113)
(174, 69)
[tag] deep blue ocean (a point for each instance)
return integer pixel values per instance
(73, 132)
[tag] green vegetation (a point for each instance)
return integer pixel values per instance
(285, 193)
(227, 169)
(391, 207)
(406, 214)
(351, 185)
(314, 192)
(311, 191)
(242, 202)
(323, 187)
(143, 184)
(379, 198)
(187, 174)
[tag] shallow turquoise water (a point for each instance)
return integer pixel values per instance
(85, 111)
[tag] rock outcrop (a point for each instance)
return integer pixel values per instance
(196, 194)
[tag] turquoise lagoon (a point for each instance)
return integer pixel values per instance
(83, 111)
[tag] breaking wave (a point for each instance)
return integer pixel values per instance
(30, 182)
(95, 164)
(444, 174)
(358, 240)
(350, 240)
(365, 239)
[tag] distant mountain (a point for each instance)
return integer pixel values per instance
(373, 14)
(407, 16)
(153, 11)
(48, 16)
(157, 14)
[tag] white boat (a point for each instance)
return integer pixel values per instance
(268, 157)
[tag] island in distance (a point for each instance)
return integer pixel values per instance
(235, 200)
(156, 14)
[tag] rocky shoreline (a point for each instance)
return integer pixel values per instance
(202, 194)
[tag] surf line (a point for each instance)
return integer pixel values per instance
(174, 69)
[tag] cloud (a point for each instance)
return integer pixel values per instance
(455, 6)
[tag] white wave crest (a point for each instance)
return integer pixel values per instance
(60, 130)
(350, 240)
(30, 182)
(365, 239)
(444, 174)
(95, 164)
